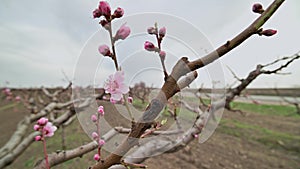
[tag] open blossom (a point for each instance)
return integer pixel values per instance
(49, 129)
(104, 8)
(115, 85)
(123, 32)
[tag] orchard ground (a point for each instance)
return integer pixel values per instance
(267, 137)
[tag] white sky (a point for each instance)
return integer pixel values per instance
(39, 39)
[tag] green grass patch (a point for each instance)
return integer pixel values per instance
(278, 110)
(270, 138)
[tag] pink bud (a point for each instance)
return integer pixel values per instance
(119, 12)
(130, 100)
(104, 24)
(104, 50)
(123, 32)
(37, 138)
(97, 157)
(17, 98)
(162, 32)
(101, 110)
(257, 8)
(152, 31)
(104, 8)
(162, 55)
(149, 46)
(112, 101)
(42, 121)
(101, 142)
(95, 135)
(94, 118)
(97, 13)
(36, 127)
(268, 32)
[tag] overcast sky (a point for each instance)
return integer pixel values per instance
(40, 39)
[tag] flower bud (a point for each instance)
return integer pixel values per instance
(112, 101)
(101, 142)
(257, 8)
(104, 8)
(97, 13)
(122, 33)
(42, 121)
(38, 138)
(130, 100)
(36, 127)
(162, 32)
(95, 135)
(268, 32)
(104, 24)
(97, 157)
(104, 50)
(119, 12)
(94, 118)
(101, 110)
(149, 46)
(18, 98)
(162, 55)
(152, 31)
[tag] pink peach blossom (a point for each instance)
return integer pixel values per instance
(115, 85)
(97, 13)
(49, 129)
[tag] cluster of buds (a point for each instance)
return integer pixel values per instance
(258, 8)
(9, 95)
(159, 34)
(123, 32)
(46, 128)
(95, 135)
(105, 10)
